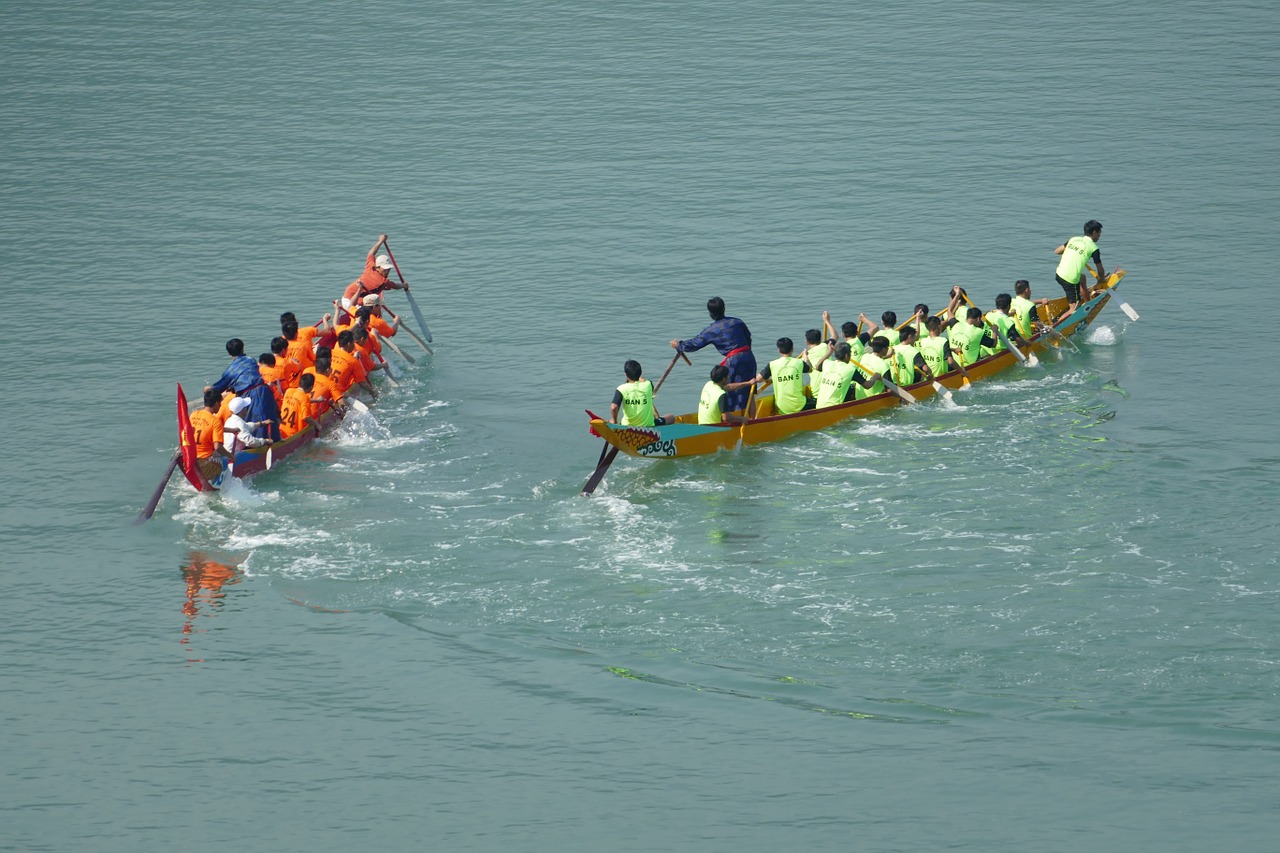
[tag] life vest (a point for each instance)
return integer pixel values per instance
(787, 374)
(966, 342)
(833, 382)
(1024, 312)
(934, 351)
(637, 403)
(1077, 253)
(904, 364)
(875, 364)
(709, 404)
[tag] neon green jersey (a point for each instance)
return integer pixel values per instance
(1074, 257)
(833, 382)
(709, 404)
(934, 351)
(875, 364)
(1024, 314)
(904, 364)
(637, 403)
(787, 374)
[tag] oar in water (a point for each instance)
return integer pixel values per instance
(150, 509)
(395, 349)
(411, 333)
(413, 303)
(608, 453)
(1124, 306)
(892, 386)
(1048, 327)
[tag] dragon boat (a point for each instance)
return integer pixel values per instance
(247, 461)
(686, 437)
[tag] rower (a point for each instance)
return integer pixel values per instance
(877, 362)
(207, 423)
(289, 368)
(856, 339)
(969, 337)
(731, 337)
(711, 405)
(298, 405)
(787, 374)
(1024, 308)
(347, 369)
(936, 351)
(889, 327)
(375, 278)
(908, 363)
(1002, 320)
(634, 399)
(323, 391)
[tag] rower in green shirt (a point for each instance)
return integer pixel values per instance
(1024, 308)
(711, 406)
(634, 399)
(787, 374)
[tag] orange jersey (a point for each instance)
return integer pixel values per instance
(324, 387)
(208, 428)
(347, 370)
(271, 378)
(365, 354)
(301, 349)
(294, 412)
(290, 370)
(381, 326)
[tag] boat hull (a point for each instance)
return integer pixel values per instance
(686, 437)
(249, 461)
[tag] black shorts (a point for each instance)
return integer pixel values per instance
(1071, 290)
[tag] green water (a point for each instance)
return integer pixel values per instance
(1043, 618)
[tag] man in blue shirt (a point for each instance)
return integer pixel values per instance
(731, 337)
(242, 377)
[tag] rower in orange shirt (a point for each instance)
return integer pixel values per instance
(289, 368)
(347, 369)
(374, 279)
(211, 456)
(296, 412)
(301, 338)
(267, 367)
(324, 391)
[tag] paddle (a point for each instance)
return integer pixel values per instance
(1051, 330)
(1004, 339)
(150, 509)
(410, 332)
(608, 453)
(413, 303)
(1124, 306)
(892, 386)
(395, 349)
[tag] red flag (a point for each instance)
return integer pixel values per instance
(187, 444)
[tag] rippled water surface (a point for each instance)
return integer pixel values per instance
(1042, 617)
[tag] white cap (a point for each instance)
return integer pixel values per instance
(239, 404)
(383, 262)
(372, 299)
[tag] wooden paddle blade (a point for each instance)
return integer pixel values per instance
(1128, 309)
(270, 460)
(597, 475)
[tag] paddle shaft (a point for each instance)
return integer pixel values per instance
(893, 386)
(395, 349)
(413, 303)
(410, 332)
(150, 509)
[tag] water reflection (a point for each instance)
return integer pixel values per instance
(205, 578)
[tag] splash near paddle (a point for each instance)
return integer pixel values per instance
(187, 443)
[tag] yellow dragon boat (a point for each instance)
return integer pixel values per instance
(686, 437)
